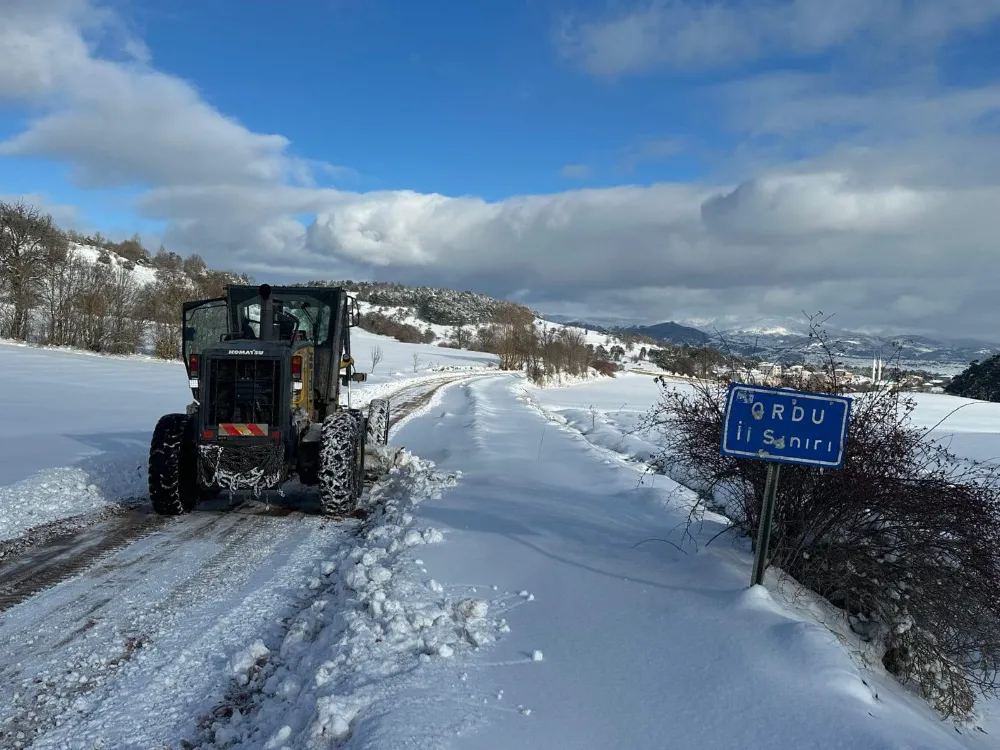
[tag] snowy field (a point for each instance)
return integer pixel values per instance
(519, 585)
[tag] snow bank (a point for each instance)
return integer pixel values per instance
(607, 414)
(373, 620)
(116, 481)
(606, 411)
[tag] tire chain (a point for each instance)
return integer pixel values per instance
(165, 465)
(378, 421)
(337, 470)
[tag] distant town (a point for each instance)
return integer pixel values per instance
(857, 379)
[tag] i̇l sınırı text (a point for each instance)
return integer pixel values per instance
(778, 414)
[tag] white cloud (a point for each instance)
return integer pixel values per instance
(63, 215)
(712, 33)
(800, 206)
(121, 123)
(145, 128)
(894, 222)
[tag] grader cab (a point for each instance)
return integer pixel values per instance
(267, 367)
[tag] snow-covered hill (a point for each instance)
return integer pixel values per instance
(788, 338)
(143, 274)
(438, 310)
(779, 339)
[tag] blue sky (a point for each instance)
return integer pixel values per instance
(693, 159)
(451, 97)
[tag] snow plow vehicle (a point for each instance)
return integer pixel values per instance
(267, 367)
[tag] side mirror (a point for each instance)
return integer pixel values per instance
(353, 313)
(190, 332)
(359, 377)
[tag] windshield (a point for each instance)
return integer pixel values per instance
(302, 314)
(203, 326)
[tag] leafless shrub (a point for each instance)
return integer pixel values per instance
(905, 538)
(376, 356)
(384, 325)
(604, 367)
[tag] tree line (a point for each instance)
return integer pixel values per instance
(51, 295)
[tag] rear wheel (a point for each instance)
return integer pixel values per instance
(173, 471)
(378, 421)
(341, 462)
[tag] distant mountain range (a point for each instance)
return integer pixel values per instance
(669, 332)
(789, 340)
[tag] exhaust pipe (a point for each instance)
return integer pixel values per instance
(266, 314)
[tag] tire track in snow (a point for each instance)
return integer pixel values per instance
(86, 660)
(66, 555)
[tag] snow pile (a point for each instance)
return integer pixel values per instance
(117, 480)
(371, 618)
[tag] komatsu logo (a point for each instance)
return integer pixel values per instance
(246, 351)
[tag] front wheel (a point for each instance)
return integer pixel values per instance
(173, 469)
(378, 421)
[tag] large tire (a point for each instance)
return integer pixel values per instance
(378, 422)
(173, 470)
(362, 422)
(340, 465)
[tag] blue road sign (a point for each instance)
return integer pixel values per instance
(785, 426)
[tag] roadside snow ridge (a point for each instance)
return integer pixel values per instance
(375, 617)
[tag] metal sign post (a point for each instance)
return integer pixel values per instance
(782, 425)
(764, 525)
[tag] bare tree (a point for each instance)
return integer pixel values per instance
(416, 361)
(162, 307)
(516, 340)
(29, 242)
(460, 337)
(376, 356)
(59, 295)
(121, 295)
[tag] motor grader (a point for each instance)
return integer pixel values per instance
(267, 367)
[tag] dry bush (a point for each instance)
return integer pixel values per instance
(383, 325)
(905, 538)
(604, 367)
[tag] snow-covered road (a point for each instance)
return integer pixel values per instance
(645, 645)
(120, 628)
(131, 650)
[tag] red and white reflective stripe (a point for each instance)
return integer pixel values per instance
(244, 430)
